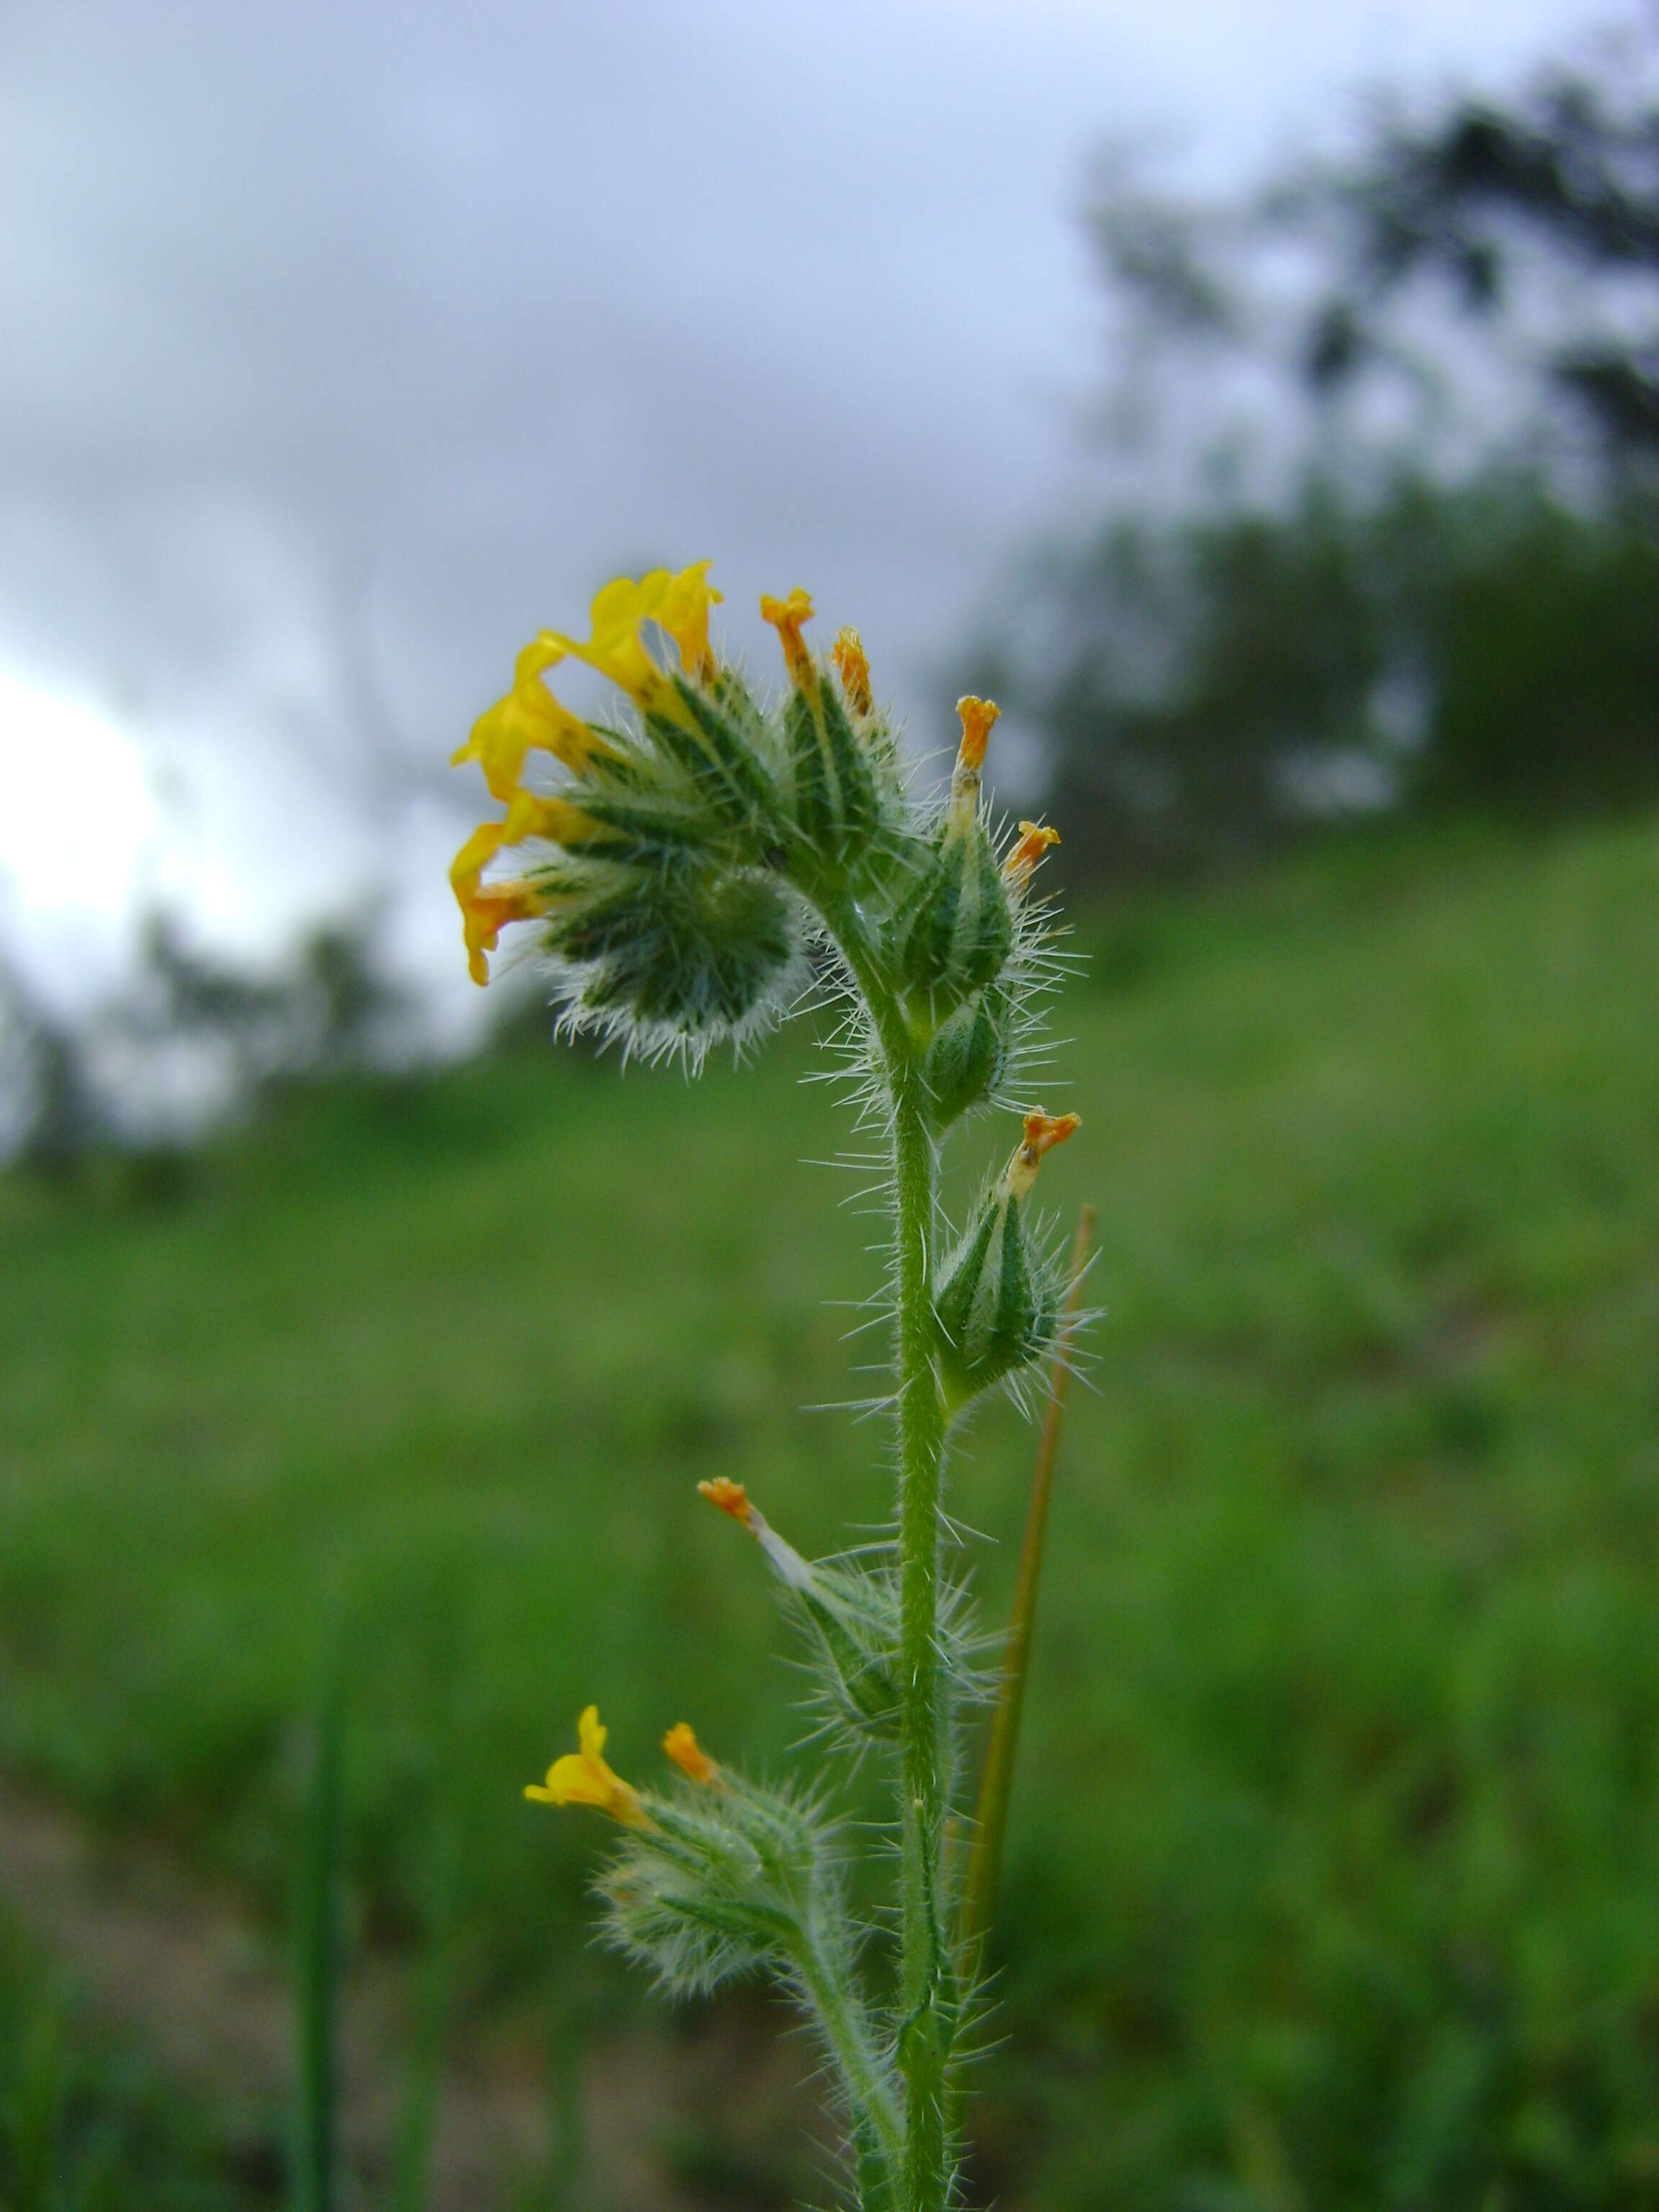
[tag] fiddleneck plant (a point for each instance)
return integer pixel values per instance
(690, 867)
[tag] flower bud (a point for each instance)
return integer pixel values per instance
(1025, 855)
(967, 1057)
(998, 1300)
(961, 931)
(961, 927)
(835, 805)
(852, 666)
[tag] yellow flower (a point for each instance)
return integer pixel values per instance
(683, 614)
(486, 908)
(485, 911)
(688, 1755)
(677, 603)
(786, 617)
(1043, 1132)
(581, 1777)
(731, 1497)
(1034, 839)
(977, 717)
(528, 718)
(854, 669)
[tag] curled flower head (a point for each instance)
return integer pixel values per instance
(688, 1755)
(582, 1778)
(854, 669)
(1034, 840)
(786, 617)
(1043, 1132)
(730, 1497)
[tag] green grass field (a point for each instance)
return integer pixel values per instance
(1334, 1878)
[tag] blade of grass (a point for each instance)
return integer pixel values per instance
(996, 1779)
(567, 2164)
(316, 2118)
(412, 2174)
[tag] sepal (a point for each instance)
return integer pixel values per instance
(997, 1296)
(967, 1057)
(961, 929)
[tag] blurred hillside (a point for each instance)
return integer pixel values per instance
(1331, 1879)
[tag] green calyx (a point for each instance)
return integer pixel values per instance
(967, 1057)
(997, 1303)
(960, 930)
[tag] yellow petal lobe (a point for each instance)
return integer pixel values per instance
(1034, 840)
(677, 605)
(854, 669)
(529, 718)
(688, 1755)
(787, 616)
(582, 1778)
(730, 1497)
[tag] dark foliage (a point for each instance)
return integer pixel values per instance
(1212, 688)
(1571, 170)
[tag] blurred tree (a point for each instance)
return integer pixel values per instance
(189, 994)
(1535, 224)
(51, 1106)
(1403, 608)
(1209, 687)
(344, 1003)
(1478, 194)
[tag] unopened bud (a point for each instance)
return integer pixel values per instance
(998, 1300)
(729, 1497)
(967, 1057)
(787, 616)
(961, 930)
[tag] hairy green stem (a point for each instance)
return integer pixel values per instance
(929, 2006)
(927, 1976)
(847, 2032)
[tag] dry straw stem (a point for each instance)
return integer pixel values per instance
(991, 1815)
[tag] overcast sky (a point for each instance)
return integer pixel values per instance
(346, 345)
